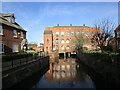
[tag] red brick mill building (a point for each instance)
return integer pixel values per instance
(11, 34)
(62, 40)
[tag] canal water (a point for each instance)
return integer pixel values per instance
(65, 73)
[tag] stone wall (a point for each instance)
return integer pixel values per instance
(16, 76)
(109, 71)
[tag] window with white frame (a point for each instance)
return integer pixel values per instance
(73, 41)
(62, 41)
(57, 34)
(73, 47)
(57, 41)
(72, 33)
(57, 47)
(77, 33)
(1, 30)
(62, 47)
(62, 34)
(15, 47)
(67, 47)
(92, 33)
(54, 47)
(118, 34)
(87, 34)
(67, 34)
(82, 33)
(14, 33)
(1, 48)
(21, 34)
(67, 41)
(63, 67)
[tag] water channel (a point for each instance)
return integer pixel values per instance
(65, 73)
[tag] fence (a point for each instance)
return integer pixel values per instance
(20, 62)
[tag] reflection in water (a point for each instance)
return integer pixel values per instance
(65, 74)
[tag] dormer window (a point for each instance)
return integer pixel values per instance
(14, 33)
(12, 20)
(21, 34)
(1, 30)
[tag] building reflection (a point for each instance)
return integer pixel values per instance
(65, 71)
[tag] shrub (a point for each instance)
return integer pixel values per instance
(32, 52)
(14, 57)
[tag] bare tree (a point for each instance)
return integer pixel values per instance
(79, 42)
(105, 35)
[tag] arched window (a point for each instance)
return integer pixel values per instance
(62, 41)
(47, 41)
(62, 47)
(67, 34)
(62, 34)
(57, 41)
(73, 47)
(67, 41)
(67, 47)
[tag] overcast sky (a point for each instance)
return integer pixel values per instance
(35, 16)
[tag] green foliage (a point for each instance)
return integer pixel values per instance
(15, 57)
(79, 41)
(32, 52)
(100, 52)
(22, 51)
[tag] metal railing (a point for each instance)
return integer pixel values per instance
(20, 62)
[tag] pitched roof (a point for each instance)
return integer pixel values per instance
(4, 21)
(118, 28)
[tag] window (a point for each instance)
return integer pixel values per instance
(73, 47)
(67, 41)
(1, 48)
(92, 40)
(63, 67)
(62, 47)
(87, 41)
(14, 33)
(92, 33)
(56, 47)
(62, 41)
(62, 34)
(72, 33)
(1, 30)
(21, 34)
(46, 48)
(57, 34)
(12, 20)
(77, 33)
(67, 47)
(53, 41)
(47, 41)
(68, 67)
(87, 34)
(92, 46)
(82, 33)
(53, 34)
(15, 47)
(73, 41)
(118, 34)
(57, 41)
(67, 34)
(63, 74)
(57, 67)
